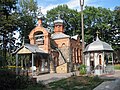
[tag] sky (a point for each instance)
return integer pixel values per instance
(75, 4)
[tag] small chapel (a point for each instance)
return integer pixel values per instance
(52, 53)
(99, 57)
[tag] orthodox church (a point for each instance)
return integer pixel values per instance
(53, 53)
(60, 53)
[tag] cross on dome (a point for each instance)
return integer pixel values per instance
(59, 20)
(59, 16)
(97, 38)
(39, 14)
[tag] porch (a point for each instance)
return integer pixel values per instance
(32, 60)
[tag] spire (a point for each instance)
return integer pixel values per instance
(39, 16)
(97, 38)
(59, 16)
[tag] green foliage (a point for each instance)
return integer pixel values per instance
(116, 31)
(96, 78)
(36, 86)
(82, 69)
(10, 81)
(76, 83)
(105, 21)
(22, 82)
(70, 17)
(98, 19)
(117, 67)
(6, 6)
(8, 24)
(7, 80)
(27, 17)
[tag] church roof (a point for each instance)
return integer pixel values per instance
(75, 37)
(59, 20)
(33, 48)
(28, 48)
(59, 35)
(98, 45)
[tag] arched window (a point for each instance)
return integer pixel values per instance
(100, 61)
(75, 55)
(39, 38)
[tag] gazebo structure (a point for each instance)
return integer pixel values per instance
(40, 59)
(99, 57)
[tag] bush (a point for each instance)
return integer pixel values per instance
(10, 81)
(82, 69)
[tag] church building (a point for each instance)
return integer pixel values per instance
(53, 53)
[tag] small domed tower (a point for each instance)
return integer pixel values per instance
(58, 25)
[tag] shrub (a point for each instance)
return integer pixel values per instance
(10, 81)
(82, 69)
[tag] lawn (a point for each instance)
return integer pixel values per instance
(76, 83)
(10, 81)
(117, 66)
(71, 83)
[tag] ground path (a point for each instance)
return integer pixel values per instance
(110, 85)
(47, 78)
(107, 85)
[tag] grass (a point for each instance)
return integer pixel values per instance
(117, 66)
(8, 80)
(76, 83)
(71, 83)
(37, 86)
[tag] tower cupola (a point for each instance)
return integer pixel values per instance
(58, 25)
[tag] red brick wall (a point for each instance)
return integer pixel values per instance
(58, 27)
(37, 29)
(76, 51)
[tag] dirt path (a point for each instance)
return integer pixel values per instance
(110, 85)
(47, 78)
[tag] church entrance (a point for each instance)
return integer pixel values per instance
(92, 65)
(42, 63)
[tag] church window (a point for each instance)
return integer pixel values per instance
(39, 38)
(100, 60)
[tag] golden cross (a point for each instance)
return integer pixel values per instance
(97, 33)
(59, 15)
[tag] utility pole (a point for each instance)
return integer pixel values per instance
(82, 26)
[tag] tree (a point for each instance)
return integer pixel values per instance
(7, 23)
(107, 22)
(70, 17)
(97, 19)
(116, 32)
(27, 17)
(116, 26)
